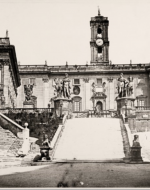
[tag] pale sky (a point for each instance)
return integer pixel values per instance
(59, 30)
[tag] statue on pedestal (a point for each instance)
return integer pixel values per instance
(136, 142)
(58, 88)
(44, 149)
(62, 87)
(28, 89)
(124, 87)
(66, 86)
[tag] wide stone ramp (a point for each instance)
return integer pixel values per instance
(90, 139)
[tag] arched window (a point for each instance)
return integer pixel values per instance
(99, 30)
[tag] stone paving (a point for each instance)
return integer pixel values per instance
(78, 175)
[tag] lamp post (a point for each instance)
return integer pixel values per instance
(126, 102)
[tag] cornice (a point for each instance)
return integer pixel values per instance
(13, 61)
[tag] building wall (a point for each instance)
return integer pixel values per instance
(44, 88)
(9, 91)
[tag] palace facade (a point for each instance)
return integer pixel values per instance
(91, 85)
(9, 74)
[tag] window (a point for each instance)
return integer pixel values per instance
(99, 30)
(141, 102)
(77, 101)
(76, 106)
(32, 81)
(76, 81)
(27, 81)
(99, 82)
(99, 49)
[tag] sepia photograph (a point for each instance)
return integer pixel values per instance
(75, 94)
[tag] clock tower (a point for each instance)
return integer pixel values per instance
(99, 39)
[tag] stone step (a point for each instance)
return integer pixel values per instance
(90, 139)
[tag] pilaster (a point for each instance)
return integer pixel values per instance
(110, 92)
(87, 93)
(46, 92)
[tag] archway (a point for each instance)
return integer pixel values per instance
(99, 106)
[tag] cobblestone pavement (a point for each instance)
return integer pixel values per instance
(78, 175)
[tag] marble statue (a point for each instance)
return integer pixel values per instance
(124, 86)
(58, 88)
(66, 86)
(62, 87)
(136, 142)
(28, 89)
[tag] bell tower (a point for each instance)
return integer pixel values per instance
(99, 39)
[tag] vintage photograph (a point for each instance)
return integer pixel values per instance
(74, 94)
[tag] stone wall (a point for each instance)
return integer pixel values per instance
(141, 121)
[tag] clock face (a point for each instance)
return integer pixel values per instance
(99, 42)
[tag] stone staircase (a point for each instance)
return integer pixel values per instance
(9, 145)
(91, 139)
(126, 143)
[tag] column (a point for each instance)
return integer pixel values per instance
(46, 92)
(87, 93)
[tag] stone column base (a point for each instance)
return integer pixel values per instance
(136, 155)
(62, 107)
(125, 105)
(28, 104)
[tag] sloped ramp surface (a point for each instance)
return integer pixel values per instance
(90, 139)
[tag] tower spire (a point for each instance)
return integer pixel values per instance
(99, 11)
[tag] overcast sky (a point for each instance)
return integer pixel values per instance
(59, 30)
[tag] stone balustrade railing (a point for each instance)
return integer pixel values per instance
(10, 125)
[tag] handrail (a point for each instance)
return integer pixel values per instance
(6, 123)
(57, 135)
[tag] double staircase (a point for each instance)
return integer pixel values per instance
(90, 139)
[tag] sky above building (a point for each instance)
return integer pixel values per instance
(59, 30)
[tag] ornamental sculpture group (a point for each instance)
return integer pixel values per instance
(124, 86)
(28, 89)
(62, 87)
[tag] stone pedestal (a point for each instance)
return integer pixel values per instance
(44, 150)
(28, 104)
(125, 106)
(136, 155)
(62, 107)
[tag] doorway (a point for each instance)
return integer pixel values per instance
(99, 106)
